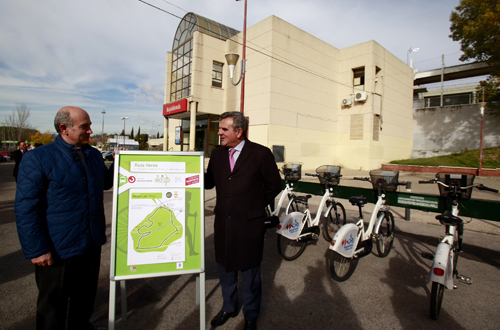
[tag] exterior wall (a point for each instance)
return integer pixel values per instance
(451, 129)
(390, 92)
(294, 87)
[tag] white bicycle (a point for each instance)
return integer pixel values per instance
(452, 188)
(297, 228)
(292, 173)
(353, 241)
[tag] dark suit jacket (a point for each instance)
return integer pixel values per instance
(17, 156)
(242, 196)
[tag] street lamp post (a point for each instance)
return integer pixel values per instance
(414, 50)
(232, 59)
(124, 119)
(482, 106)
(103, 113)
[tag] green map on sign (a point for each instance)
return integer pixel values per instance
(156, 231)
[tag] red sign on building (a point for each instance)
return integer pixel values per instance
(175, 107)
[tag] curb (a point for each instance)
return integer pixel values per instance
(436, 169)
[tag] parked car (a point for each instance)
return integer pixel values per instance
(107, 155)
(2, 158)
(6, 153)
(7, 158)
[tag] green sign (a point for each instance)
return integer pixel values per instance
(158, 214)
(418, 201)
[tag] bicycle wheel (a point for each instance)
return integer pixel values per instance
(437, 294)
(290, 249)
(341, 267)
(385, 237)
(295, 206)
(335, 219)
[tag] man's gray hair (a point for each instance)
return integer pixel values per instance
(239, 121)
(63, 117)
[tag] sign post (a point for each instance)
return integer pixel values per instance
(158, 221)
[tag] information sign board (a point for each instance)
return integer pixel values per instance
(158, 214)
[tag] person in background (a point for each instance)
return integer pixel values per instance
(246, 179)
(18, 156)
(60, 221)
(38, 144)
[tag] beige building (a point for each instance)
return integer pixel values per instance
(306, 100)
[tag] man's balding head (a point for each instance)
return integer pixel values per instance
(73, 124)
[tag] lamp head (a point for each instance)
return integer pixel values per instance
(232, 59)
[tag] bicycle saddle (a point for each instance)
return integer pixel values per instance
(303, 198)
(448, 219)
(358, 200)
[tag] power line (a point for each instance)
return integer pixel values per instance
(175, 5)
(296, 66)
(434, 58)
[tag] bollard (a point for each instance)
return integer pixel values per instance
(407, 210)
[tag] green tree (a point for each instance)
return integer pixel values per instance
(476, 25)
(143, 142)
(131, 136)
(138, 135)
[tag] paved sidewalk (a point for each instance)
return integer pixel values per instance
(383, 293)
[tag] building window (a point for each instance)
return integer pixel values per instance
(181, 71)
(358, 79)
(356, 131)
(217, 74)
(454, 99)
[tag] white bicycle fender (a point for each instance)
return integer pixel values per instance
(345, 240)
(442, 260)
(291, 225)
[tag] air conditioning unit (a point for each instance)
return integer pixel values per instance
(346, 102)
(360, 96)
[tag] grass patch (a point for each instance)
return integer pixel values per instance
(491, 159)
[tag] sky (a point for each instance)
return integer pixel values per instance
(111, 54)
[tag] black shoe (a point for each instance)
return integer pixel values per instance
(222, 318)
(250, 325)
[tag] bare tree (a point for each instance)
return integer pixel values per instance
(17, 122)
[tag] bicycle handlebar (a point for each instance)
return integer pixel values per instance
(478, 186)
(483, 187)
(428, 181)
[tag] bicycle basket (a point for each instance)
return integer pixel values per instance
(292, 172)
(329, 174)
(387, 180)
(456, 180)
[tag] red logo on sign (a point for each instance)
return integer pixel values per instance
(192, 180)
(175, 107)
(131, 179)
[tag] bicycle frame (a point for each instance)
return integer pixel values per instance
(442, 270)
(346, 240)
(292, 224)
(286, 192)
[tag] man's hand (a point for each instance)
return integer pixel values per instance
(43, 260)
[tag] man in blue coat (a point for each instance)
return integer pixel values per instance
(246, 179)
(60, 221)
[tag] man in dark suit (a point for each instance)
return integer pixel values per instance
(17, 156)
(242, 195)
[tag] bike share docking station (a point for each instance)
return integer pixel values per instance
(475, 208)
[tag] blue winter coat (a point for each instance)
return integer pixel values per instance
(59, 205)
